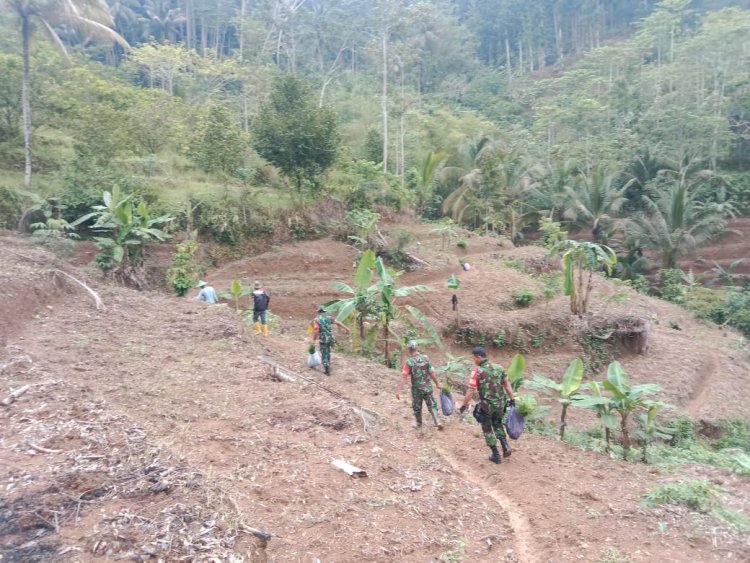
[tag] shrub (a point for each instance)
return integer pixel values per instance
(519, 342)
(499, 340)
(551, 284)
(523, 297)
(184, 271)
(11, 207)
(699, 495)
(461, 243)
(552, 232)
(671, 286)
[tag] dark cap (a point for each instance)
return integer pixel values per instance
(321, 309)
(479, 351)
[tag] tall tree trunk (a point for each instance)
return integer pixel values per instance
(204, 36)
(508, 68)
(189, 25)
(385, 99)
(26, 98)
(243, 6)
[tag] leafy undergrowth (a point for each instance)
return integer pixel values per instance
(699, 495)
(683, 451)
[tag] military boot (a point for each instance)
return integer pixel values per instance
(495, 457)
(505, 445)
(418, 419)
(327, 370)
(437, 422)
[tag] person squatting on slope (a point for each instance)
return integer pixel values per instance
(495, 394)
(323, 332)
(260, 308)
(421, 371)
(207, 294)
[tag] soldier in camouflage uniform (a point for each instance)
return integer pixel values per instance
(495, 395)
(419, 368)
(323, 332)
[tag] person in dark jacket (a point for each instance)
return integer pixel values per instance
(260, 308)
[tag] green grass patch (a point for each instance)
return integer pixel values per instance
(699, 495)
(685, 448)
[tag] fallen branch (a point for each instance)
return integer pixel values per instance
(266, 537)
(413, 258)
(97, 300)
(361, 411)
(348, 468)
(279, 375)
(40, 449)
(10, 399)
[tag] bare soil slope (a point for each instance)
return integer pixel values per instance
(153, 429)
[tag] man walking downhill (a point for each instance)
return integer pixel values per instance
(493, 387)
(207, 294)
(323, 332)
(260, 308)
(421, 371)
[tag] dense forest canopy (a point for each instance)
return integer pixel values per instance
(581, 110)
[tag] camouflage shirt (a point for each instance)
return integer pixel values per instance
(488, 380)
(324, 324)
(418, 367)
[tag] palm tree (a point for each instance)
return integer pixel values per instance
(553, 184)
(675, 222)
(513, 187)
(427, 174)
(89, 17)
(164, 20)
(595, 200)
(466, 177)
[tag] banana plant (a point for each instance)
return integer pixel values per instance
(580, 260)
(564, 392)
(374, 299)
(236, 292)
(627, 399)
(455, 366)
(126, 228)
(515, 371)
(602, 405)
(362, 305)
(446, 230)
(389, 310)
(649, 430)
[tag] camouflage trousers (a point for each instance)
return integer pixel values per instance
(325, 355)
(417, 397)
(492, 428)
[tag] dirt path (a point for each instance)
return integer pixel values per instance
(523, 533)
(706, 377)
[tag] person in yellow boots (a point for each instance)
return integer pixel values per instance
(260, 308)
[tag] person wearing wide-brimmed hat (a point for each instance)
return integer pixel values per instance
(207, 293)
(323, 333)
